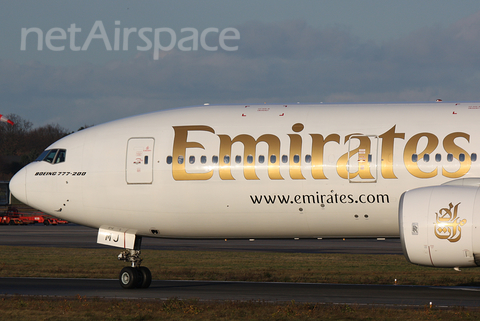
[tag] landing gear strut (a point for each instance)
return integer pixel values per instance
(134, 276)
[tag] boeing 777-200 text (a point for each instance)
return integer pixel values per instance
(407, 170)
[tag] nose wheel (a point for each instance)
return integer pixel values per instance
(135, 276)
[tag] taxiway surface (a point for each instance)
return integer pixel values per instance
(73, 236)
(246, 291)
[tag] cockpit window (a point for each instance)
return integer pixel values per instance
(52, 156)
(42, 155)
(60, 156)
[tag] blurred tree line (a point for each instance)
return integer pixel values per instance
(21, 144)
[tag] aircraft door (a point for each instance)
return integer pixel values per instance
(139, 161)
(362, 159)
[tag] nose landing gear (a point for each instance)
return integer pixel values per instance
(134, 276)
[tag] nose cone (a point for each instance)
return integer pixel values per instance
(18, 186)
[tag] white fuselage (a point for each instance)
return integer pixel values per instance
(258, 171)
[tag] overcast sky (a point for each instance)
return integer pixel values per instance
(277, 52)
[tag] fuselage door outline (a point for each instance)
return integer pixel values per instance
(139, 164)
(362, 164)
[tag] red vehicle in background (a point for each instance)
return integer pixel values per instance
(13, 217)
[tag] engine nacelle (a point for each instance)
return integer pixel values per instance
(439, 226)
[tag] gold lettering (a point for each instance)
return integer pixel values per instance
(226, 150)
(451, 148)
(388, 139)
(295, 168)
(411, 148)
(250, 145)
(180, 145)
(355, 159)
(364, 169)
(318, 146)
(295, 149)
(448, 226)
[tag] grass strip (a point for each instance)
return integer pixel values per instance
(231, 266)
(81, 308)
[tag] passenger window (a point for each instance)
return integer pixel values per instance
(226, 159)
(191, 160)
(180, 160)
(169, 160)
(203, 159)
(296, 159)
(438, 158)
(215, 159)
(273, 159)
(238, 159)
(473, 157)
(414, 158)
(450, 157)
(284, 159)
(426, 158)
(308, 159)
(369, 158)
(261, 159)
(249, 159)
(461, 157)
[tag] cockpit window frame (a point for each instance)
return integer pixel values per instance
(50, 158)
(53, 156)
(61, 156)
